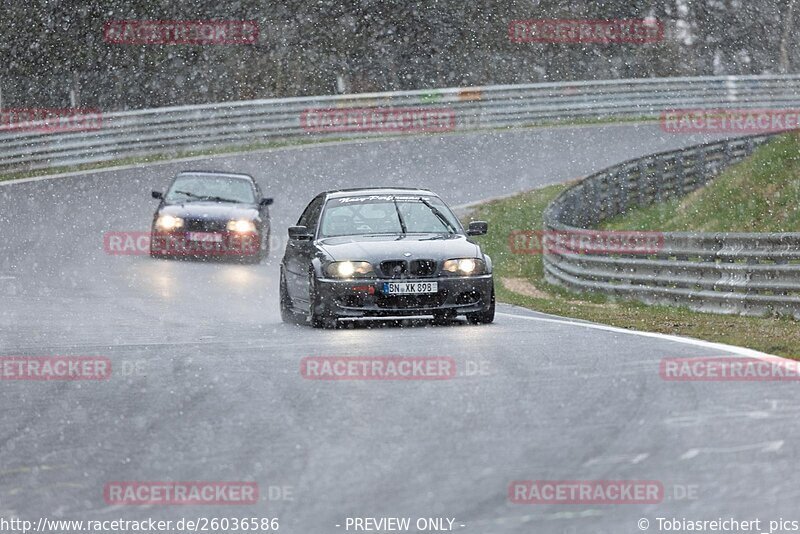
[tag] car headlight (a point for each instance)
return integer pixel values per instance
(242, 226)
(168, 222)
(464, 266)
(349, 269)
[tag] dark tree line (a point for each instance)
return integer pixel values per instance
(53, 52)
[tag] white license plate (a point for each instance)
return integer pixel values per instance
(205, 237)
(410, 288)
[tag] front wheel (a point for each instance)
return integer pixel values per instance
(256, 257)
(483, 317)
(318, 316)
(155, 249)
(288, 315)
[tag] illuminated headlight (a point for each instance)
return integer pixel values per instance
(168, 222)
(349, 269)
(242, 226)
(465, 266)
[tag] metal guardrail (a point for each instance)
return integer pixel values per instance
(216, 126)
(745, 273)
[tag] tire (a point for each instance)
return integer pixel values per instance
(485, 316)
(265, 251)
(318, 316)
(288, 315)
(153, 252)
(253, 259)
(158, 256)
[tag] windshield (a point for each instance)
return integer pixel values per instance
(193, 187)
(387, 215)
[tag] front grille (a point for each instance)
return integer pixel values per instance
(404, 269)
(423, 267)
(204, 225)
(394, 268)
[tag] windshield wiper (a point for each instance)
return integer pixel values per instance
(188, 194)
(399, 216)
(439, 215)
(220, 199)
(206, 197)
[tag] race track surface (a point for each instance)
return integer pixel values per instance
(207, 385)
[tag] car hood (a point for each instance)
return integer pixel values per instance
(210, 211)
(378, 248)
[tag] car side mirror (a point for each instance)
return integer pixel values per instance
(299, 233)
(266, 201)
(478, 228)
(157, 194)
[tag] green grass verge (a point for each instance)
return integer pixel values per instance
(525, 274)
(759, 194)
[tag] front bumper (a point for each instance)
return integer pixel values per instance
(365, 298)
(174, 244)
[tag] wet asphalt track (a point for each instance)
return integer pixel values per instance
(217, 394)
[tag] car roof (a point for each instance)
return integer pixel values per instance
(219, 173)
(357, 192)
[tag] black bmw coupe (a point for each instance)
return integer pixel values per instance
(387, 252)
(210, 214)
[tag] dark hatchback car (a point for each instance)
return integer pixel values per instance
(383, 253)
(211, 214)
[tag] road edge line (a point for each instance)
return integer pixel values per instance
(740, 351)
